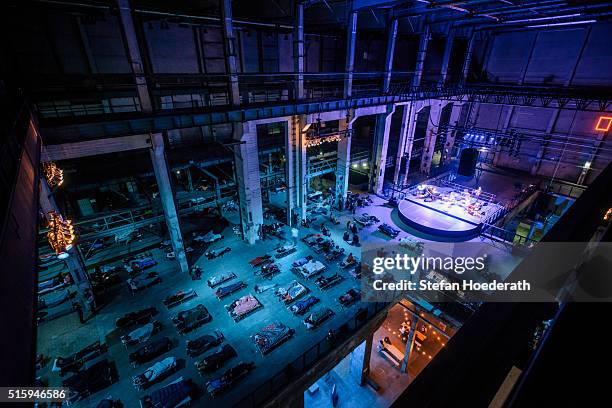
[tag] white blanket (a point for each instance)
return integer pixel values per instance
(313, 267)
(159, 368)
(142, 333)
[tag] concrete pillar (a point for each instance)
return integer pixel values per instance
(75, 263)
(403, 137)
(301, 164)
(298, 50)
(422, 53)
(409, 346)
(391, 37)
(229, 38)
(431, 135)
(359, 367)
(451, 133)
(351, 39)
(381, 142)
(343, 164)
(189, 179)
(416, 106)
(135, 58)
(246, 157)
(468, 57)
(160, 168)
(549, 129)
(290, 169)
(446, 58)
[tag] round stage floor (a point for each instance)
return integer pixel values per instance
(440, 222)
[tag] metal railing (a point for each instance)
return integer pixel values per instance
(563, 188)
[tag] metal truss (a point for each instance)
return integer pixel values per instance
(137, 123)
(597, 100)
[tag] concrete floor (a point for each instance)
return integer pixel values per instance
(66, 335)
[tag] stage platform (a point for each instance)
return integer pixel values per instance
(445, 218)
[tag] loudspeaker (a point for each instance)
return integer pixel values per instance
(467, 162)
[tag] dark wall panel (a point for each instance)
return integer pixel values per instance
(554, 56)
(509, 56)
(106, 44)
(285, 52)
(594, 66)
(212, 50)
(313, 53)
(68, 44)
(249, 51)
(171, 48)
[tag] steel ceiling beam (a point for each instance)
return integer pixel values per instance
(572, 99)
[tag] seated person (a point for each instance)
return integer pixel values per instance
(346, 236)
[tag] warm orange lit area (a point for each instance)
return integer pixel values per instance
(603, 123)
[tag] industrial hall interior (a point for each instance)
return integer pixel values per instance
(188, 189)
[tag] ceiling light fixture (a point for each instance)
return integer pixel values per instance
(53, 174)
(61, 234)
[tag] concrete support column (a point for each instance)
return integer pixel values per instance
(448, 48)
(298, 50)
(246, 157)
(451, 133)
(75, 263)
(290, 170)
(135, 58)
(351, 40)
(391, 37)
(301, 163)
(416, 106)
(160, 168)
(381, 142)
(343, 164)
(229, 38)
(189, 179)
(360, 360)
(468, 57)
(549, 129)
(422, 53)
(431, 135)
(403, 137)
(409, 346)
